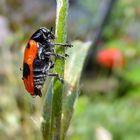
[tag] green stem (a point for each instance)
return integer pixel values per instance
(61, 20)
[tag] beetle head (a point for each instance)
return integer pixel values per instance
(48, 34)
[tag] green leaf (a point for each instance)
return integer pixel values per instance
(73, 69)
(47, 112)
(132, 74)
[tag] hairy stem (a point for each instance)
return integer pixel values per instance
(61, 20)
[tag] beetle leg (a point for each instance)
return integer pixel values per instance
(63, 45)
(62, 56)
(40, 52)
(57, 55)
(52, 66)
(56, 75)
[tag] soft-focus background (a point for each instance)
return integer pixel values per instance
(109, 104)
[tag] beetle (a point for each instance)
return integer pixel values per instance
(38, 60)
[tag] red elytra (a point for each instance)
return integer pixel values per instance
(29, 56)
(110, 58)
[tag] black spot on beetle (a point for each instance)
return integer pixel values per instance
(28, 46)
(26, 70)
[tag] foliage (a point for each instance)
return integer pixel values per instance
(53, 130)
(108, 99)
(119, 117)
(60, 99)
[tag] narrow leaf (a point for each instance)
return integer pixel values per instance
(47, 112)
(73, 69)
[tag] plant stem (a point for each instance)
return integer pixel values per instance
(61, 20)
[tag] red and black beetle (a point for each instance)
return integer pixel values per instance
(38, 60)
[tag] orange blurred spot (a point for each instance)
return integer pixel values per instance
(110, 58)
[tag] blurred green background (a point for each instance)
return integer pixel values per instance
(109, 102)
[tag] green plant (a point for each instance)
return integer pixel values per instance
(60, 98)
